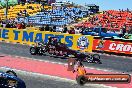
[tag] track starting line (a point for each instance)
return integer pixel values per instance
(48, 68)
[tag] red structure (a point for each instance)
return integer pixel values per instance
(110, 19)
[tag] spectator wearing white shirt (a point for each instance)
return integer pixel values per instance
(59, 29)
(77, 31)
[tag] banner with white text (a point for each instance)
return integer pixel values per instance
(112, 46)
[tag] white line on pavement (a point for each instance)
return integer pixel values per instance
(54, 77)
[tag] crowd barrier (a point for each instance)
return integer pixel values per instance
(113, 46)
(30, 37)
(76, 42)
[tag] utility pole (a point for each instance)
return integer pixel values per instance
(6, 10)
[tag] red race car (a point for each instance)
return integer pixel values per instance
(55, 47)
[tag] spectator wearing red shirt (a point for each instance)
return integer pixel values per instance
(19, 26)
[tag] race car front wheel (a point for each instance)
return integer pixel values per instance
(96, 56)
(33, 50)
(81, 80)
(11, 72)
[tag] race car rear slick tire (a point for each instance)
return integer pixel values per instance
(81, 80)
(33, 51)
(11, 72)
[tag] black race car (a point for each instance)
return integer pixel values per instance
(55, 47)
(9, 79)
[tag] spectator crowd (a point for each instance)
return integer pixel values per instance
(112, 20)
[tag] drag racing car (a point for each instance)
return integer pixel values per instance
(55, 47)
(9, 79)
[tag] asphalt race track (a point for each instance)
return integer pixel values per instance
(111, 63)
(34, 80)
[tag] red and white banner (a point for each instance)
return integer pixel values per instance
(112, 46)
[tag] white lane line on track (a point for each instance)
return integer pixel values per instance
(113, 55)
(60, 63)
(54, 77)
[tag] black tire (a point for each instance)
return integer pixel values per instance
(11, 72)
(81, 80)
(96, 57)
(33, 51)
(98, 62)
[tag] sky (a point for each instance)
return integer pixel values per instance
(107, 4)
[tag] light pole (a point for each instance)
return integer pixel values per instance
(6, 9)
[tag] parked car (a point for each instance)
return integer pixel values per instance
(98, 31)
(9, 79)
(55, 47)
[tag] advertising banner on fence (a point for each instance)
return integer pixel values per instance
(76, 42)
(112, 46)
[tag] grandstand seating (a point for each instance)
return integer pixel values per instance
(51, 15)
(14, 10)
(57, 16)
(110, 19)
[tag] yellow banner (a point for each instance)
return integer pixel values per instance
(76, 42)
